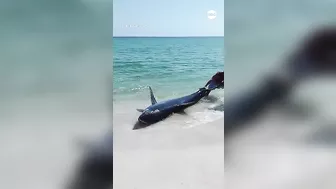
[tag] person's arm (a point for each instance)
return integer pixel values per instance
(222, 84)
(218, 78)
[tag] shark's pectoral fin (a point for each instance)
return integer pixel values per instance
(153, 100)
(140, 110)
(182, 112)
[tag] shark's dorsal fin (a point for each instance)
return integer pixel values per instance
(153, 100)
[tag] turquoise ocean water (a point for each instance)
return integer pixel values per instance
(171, 66)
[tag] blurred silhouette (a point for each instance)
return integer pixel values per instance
(95, 171)
(316, 55)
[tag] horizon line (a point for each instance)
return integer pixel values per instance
(171, 36)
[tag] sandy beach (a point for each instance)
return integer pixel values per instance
(180, 152)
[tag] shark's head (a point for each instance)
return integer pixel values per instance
(149, 117)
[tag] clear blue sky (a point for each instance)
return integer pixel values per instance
(167, 18)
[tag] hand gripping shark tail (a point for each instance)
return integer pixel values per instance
(213, 85)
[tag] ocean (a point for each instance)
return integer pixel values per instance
(183, 151)
(283, 148)
(172, 66)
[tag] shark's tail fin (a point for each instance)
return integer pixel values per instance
(212, 85)
(205, 91)
(153, 100)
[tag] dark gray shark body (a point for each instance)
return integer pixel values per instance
(159, 111)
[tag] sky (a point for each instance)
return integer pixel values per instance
(167, 18)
